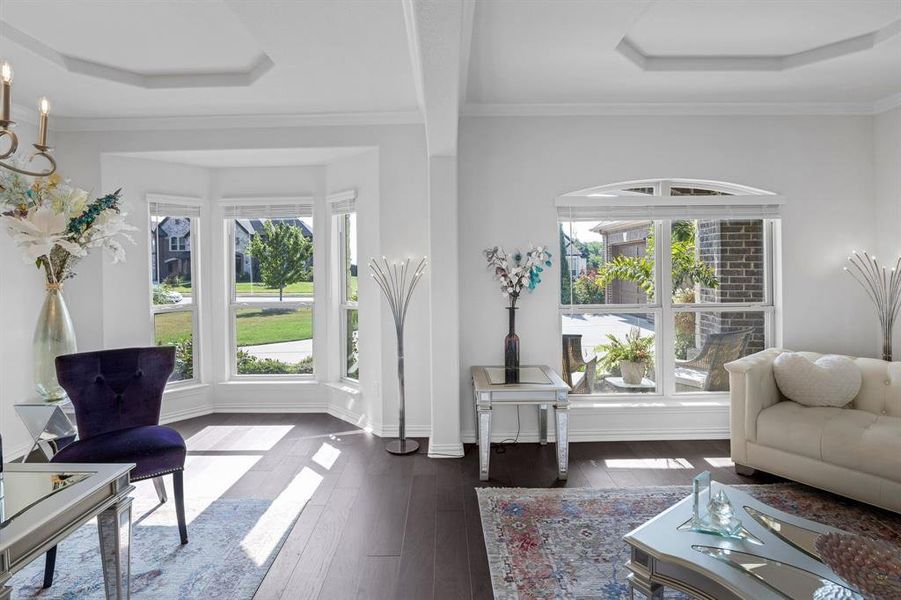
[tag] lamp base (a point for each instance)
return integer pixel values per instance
(402, 446)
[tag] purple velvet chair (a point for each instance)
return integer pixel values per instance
(117, 396)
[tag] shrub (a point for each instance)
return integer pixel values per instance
(163, 294)
(184, 358)
(248, 364)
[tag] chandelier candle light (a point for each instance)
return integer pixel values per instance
(7, 125)
(883, 287)
(397, 282)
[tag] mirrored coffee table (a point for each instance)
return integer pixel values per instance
(42, 504)
(772, 558)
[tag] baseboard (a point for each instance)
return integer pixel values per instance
(445, 450)
(170, 416)
(262, 407)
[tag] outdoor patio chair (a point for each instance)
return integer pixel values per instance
(583, 383)
(706, 371)
(572, 356)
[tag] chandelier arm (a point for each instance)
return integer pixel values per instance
(50, 171)
(13, 142)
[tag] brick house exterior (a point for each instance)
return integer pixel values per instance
(171, 249)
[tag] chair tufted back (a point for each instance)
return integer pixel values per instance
(116, 389)
(880, 389)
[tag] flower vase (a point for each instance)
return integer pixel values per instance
(511, 350)
(633, 372)
(53, 336)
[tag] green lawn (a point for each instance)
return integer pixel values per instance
(255, 326)
(302, 289)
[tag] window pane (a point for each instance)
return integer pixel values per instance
(595, 348)
(607, 262)
(351, 344)
(170, 259)
(705, 341)
(717, 261)
(274, 341)
(350, 257)
(177, 329)
(273, 258)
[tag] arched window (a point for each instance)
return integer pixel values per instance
(664, 282)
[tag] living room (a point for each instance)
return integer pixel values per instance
(650, 200)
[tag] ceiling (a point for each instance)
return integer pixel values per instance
(104, 60)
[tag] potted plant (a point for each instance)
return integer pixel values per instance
(631, 355)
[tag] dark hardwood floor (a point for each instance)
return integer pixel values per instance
(407, 527)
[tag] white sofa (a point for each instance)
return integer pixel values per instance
(853, 451)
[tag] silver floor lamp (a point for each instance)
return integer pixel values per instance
(397, 282)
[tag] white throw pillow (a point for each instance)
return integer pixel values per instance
(830, 381)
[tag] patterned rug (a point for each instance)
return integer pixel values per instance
(567, 543)
(231, 545)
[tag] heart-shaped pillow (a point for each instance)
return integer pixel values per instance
(830, 381)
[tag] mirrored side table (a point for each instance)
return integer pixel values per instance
(50, 424)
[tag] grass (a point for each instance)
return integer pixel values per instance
(255, 326)
(245, 288)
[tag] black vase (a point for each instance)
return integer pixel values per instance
(511, 350)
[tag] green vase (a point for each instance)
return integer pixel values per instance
(53, 336)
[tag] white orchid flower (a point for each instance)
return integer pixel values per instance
(41, 231)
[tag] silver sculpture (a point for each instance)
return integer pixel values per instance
(884, 289)
(397, 282)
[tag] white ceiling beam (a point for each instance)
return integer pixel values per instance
(437, 31)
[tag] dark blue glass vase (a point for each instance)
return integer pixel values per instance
(511, 350)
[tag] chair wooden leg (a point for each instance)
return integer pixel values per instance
(160, 489)
(49, 567)
(179, 489)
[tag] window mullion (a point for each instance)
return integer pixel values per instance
(666, 363)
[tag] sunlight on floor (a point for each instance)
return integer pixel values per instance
(326, 456)
(648, 463)
(206, 479)
(240, 438)
(720, 462)
(260, 541)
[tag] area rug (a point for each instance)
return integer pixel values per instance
(567, 543)
(232, 543)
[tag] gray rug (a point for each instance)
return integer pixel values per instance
(231, 545)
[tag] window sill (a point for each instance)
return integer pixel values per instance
(276, 380)
(185, 387)
(687, 402)
(347, 387)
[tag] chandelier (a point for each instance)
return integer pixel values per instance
(6, 125)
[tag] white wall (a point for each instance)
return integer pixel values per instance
(21, 296)
(512, 169)
(887, 175)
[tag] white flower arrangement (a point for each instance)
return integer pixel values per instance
(518, 271)
(55, 224)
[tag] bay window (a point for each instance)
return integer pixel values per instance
(173, 280)
(665, 282)
(271, 292)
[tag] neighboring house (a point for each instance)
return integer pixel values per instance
(624, 238)
(171, 249)
(246, 266)
(576, 256)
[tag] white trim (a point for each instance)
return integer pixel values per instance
(445, 450)
(203, 122)
(602, 109)
(887, 103)
(415, 53)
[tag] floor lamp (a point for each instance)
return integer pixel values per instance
(397, 282)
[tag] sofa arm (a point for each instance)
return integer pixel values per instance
(752, 388)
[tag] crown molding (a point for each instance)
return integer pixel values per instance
(646, 62)
(409, 117)
(668, 109)
(887, 103)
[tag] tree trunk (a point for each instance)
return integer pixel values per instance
(281, 291)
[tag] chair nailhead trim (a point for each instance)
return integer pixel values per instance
(158, 474)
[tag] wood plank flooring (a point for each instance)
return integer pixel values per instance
(407, 527)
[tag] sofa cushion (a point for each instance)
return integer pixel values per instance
(843, 438)
(792, 427)
(881, 448)
(830, 380)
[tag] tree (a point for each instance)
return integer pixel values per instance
(283, 253)
(688, 269)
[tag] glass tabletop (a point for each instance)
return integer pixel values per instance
(532, 375)
(19, 491)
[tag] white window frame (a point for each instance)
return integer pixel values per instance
(662, 307)
(180, 244)
(345, 305)
(172, 205)
(234, 304)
